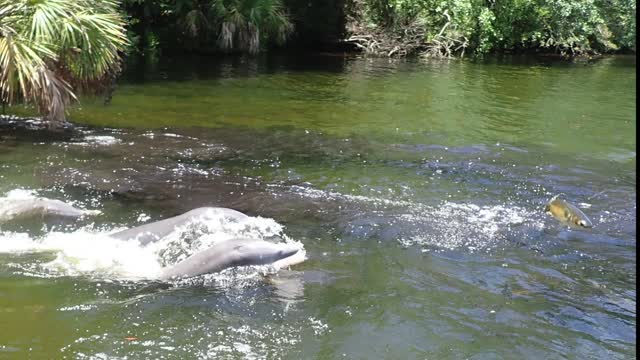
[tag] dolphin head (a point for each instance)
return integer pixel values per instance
(230, 253)
(258, 252)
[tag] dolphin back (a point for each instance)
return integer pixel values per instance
(158, 229)
(37, 207)
(230, 253)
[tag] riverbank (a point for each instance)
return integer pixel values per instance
(457, 28)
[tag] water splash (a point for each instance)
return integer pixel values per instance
(469, 226)
(105, 140)
(448, 225)
(93, 253)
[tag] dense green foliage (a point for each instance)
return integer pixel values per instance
(566, 26)
(51, 48)
(317, 22)
(207, 25)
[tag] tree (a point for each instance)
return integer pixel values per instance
(239, 24)
(51, 49)
(569, 27)
(208, 25)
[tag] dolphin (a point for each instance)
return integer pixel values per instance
(158, 229)
(33, 207)
(223, 255)
(230, 253)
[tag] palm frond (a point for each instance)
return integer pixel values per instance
(50, 47)
(244, 23)
(227, 32)
(194, 22)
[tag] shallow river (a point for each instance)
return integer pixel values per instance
(417, 189)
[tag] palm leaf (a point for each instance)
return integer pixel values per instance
(50, 47)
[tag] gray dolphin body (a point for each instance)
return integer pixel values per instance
(226, 254)
(230, 253)
(157, 230)
(37, 207)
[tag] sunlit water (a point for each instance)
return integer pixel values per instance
(416, 188)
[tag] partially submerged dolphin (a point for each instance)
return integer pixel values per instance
(21, 208)
(230, 253)
(223, 255)
(158, 229)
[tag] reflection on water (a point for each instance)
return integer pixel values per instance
(417, 189)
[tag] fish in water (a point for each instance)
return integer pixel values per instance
(567, 213)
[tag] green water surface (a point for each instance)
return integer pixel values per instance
(416, 187)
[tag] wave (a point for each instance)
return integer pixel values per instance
(447, 225)
(473, 227)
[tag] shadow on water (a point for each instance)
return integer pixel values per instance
(188, 68)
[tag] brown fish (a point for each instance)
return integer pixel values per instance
(567, 213)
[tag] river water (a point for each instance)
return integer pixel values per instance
(416, 187)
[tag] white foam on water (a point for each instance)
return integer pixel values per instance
(449, 225)
(470, 226)
(105, 140)
(83, 252)
(19, 194)
(172, 135)
(88, 252)
(322, 194)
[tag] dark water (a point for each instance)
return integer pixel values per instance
(416, 188)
